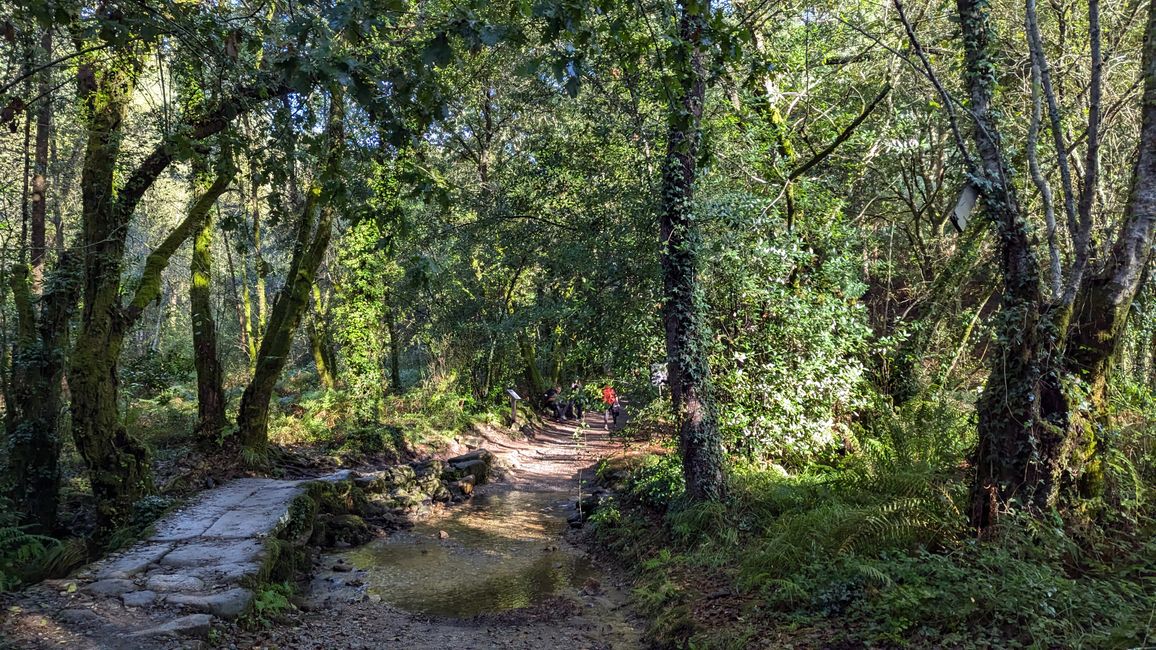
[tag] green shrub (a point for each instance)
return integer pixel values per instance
(20, 549)
(874, 549)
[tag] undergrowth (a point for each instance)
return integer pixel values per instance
(874, 551)
(428, 416)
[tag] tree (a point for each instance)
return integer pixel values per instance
(686, 342)
(314, 230)
(1038, 443)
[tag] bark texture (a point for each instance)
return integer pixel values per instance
(686, 341)
(39, 358)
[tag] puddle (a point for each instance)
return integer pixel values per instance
(502, 553)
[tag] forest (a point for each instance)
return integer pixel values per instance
(867, 280)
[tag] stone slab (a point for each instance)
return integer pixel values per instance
(132, 562)
(110, 587)
(248, 521)
(143, 598)
(212, 552)
(174, 582)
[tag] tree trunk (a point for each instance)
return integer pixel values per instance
(394, 348)
(39, 196)
(293, 300)
(33, 414)
(210, 388)
(322, 358)
(118, 464)
(534, 380)
(1105, 299)
(1036, 442)
(686, 341)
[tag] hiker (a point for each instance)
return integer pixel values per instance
(554, 401)
(613, 408)
(574, 404)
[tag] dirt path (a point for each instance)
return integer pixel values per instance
(494, 574)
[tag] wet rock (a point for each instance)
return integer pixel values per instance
(226, 604)
(110, 587)
(463, 487)
(443, 534)
(174, 582)
(139, 598)
(334, 530)
(195, 625)
(477, 468)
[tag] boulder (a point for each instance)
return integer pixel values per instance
(332, 530)
(463, 487)
(398, 476)
(432, 467)
(477, 454)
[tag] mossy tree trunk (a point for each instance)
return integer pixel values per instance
(313, 234)
(535, 383)
(321, 342)
(39, 194)
(1038, 443)
(686, 340)
(35, 403)
(118, 463)
(207, 362)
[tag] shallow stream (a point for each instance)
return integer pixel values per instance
(503, 550)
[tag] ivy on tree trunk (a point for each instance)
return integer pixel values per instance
(686, 341)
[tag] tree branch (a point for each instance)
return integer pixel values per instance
(1036, 45)
(164, 154)
(842, 137)
(1083, 237)
(149, 285)
(960, 143)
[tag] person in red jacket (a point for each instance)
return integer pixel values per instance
(613, 408)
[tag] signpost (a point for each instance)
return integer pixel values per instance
(514, 399)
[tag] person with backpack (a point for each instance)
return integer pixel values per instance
(613, 408)
(554, 402)
(574, 402)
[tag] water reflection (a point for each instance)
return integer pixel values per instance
(501, 554)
